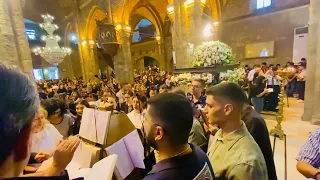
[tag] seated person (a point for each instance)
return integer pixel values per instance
(197, 135)
(79, 109)
(45, 136)
(309, 157)
(126, 106)
(167, 124)
(59, 116)
(18, 107)
(135, 116)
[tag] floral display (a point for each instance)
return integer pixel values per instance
(233, 75)
(186, 78)
(212, 53)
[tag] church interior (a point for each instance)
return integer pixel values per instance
(57, 40)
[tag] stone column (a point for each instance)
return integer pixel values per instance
(122, 61)
(22, 43)
(76, 20)
(14, 46)
(312, 94)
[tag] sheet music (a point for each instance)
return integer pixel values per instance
(124, 164)
(94, 125)
(102, 170)
(135, 149)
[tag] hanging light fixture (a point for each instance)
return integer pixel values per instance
(52, 52)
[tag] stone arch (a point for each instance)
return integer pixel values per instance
(151, 14)
(91, 26)
(137, 61)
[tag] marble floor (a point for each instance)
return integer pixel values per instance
(297, 132)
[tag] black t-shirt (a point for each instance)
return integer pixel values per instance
(195, 165)
(257, 87)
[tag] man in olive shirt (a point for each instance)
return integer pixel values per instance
(234, 152)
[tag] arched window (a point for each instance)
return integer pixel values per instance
(143, 31)
(263, 3)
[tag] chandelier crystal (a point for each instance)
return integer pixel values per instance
(52, 52)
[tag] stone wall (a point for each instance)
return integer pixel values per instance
(271, 25)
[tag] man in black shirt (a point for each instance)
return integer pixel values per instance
(259, 131)
(167, 123)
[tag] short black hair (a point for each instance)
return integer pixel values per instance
(178, 91)
(19, 102)
(231, 91)
(264, 63)
(201, 81)
(256, 65)
(53, 104)
(303, 59)
(174, 113)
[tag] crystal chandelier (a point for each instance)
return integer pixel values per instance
(52, 52)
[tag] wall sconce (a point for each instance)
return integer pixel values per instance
(84, 42)
(170, 8)
(128, 28)
(158, 38)
(203, 1)
(207, 31)
(188, 3)
(216, 23)
(91, 42)
(118, 27)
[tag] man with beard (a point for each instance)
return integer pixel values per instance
(167, 123)
(233, 150)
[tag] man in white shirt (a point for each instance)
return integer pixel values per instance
(301, 81)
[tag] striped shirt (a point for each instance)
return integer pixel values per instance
(310, 151)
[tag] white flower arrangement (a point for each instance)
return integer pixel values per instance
(233, 75)
(186, 78)
(212, 53)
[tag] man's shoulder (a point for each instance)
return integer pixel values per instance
(247, 151)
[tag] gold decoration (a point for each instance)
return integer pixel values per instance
(278, 131)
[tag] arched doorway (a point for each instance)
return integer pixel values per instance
(146, 61)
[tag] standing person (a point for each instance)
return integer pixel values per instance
(309, 157)
(197, 99)
(292, 79)
(258, 129)
(273, 82)
(233, 150)
(18, 107)
(301, 82)
(257, 92)
(167, 123)
(197, 135)
(58, 115)
(256, 69)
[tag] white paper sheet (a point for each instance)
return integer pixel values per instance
(124, 164)
(102, 170)
(94, 125)
(135, 149)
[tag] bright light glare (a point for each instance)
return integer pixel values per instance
(207, 31)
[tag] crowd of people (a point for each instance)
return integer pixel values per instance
(205, 133)
(263, 84)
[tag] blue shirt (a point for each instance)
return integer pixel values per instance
(310, 151)
(201, 101)
(195, 165)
